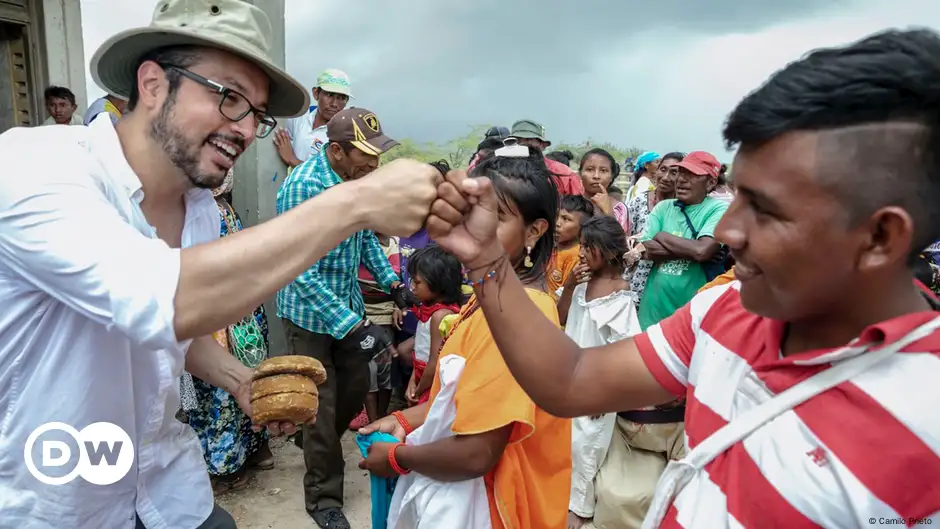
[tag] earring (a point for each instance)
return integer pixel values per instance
(528, 257)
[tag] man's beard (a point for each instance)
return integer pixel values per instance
(178, 148)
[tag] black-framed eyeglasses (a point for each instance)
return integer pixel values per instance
(232, 104)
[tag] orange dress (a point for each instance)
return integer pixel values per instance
(723, 279)
(529, 487)
(563, 262)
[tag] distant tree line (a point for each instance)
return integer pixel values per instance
(458, 151)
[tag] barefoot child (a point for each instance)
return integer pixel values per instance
(597, 308)
(480, 454)
(435, 281)
(572, 211)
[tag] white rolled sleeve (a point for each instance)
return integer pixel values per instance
(75, 239)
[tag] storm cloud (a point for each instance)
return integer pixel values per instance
(657, 75)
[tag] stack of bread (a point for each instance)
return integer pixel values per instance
(284, 389)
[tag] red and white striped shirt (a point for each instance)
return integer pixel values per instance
(863, 454)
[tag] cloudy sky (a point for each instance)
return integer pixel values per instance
(657, 75)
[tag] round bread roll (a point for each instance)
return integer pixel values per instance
(275, 384)
(293, 365)
(296, 408)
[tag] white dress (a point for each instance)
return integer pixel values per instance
(423, 341)
(420, 502)
(594, 323)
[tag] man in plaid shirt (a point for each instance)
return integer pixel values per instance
(323, 310)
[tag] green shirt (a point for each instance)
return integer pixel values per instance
(672, 284)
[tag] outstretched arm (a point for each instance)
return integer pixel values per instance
(475, 455)
(62, 234)
(560, 377)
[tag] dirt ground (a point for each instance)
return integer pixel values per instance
(275, 498)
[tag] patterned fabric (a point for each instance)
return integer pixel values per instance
(932, 255)
(188, 399)
(227, 185)
(639, 212)
(223, 428)
(326, 298)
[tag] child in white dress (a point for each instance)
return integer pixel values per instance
(597, 308)
(436, 279)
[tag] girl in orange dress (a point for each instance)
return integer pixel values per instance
(480, 454)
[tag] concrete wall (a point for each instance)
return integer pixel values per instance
(255, 188)
(65, 56)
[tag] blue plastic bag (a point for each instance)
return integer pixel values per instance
(382, 488)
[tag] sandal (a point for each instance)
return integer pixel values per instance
(360, 421)
(230, 482)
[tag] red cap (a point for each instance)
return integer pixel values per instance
(701, 163)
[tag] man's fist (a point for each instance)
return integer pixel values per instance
(366, 339)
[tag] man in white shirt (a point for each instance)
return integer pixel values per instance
(304, 136)
(113, 277)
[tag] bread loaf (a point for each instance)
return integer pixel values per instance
(284, 389)
(296, 408)
(276, 384)
(292, 364)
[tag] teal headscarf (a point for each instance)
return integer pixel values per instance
(645, 158)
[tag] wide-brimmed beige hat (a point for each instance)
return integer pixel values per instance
(230, 25)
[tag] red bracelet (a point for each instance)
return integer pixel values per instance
(400, 417)
(394, 462)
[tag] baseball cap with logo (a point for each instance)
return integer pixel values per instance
(701, 163)
(361, 128)
(234, 26)
(335, 81)
(528, 129)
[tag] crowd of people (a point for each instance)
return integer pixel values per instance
(520, 343)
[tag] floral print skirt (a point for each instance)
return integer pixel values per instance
(223, 429)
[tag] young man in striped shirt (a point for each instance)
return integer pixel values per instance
(838, 181)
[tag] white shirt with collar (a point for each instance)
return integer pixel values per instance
(306, 140)
(86, 331)
(74, 120)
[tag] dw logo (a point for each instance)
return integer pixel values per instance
(105, 453)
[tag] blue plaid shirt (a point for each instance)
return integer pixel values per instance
(326, 298)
